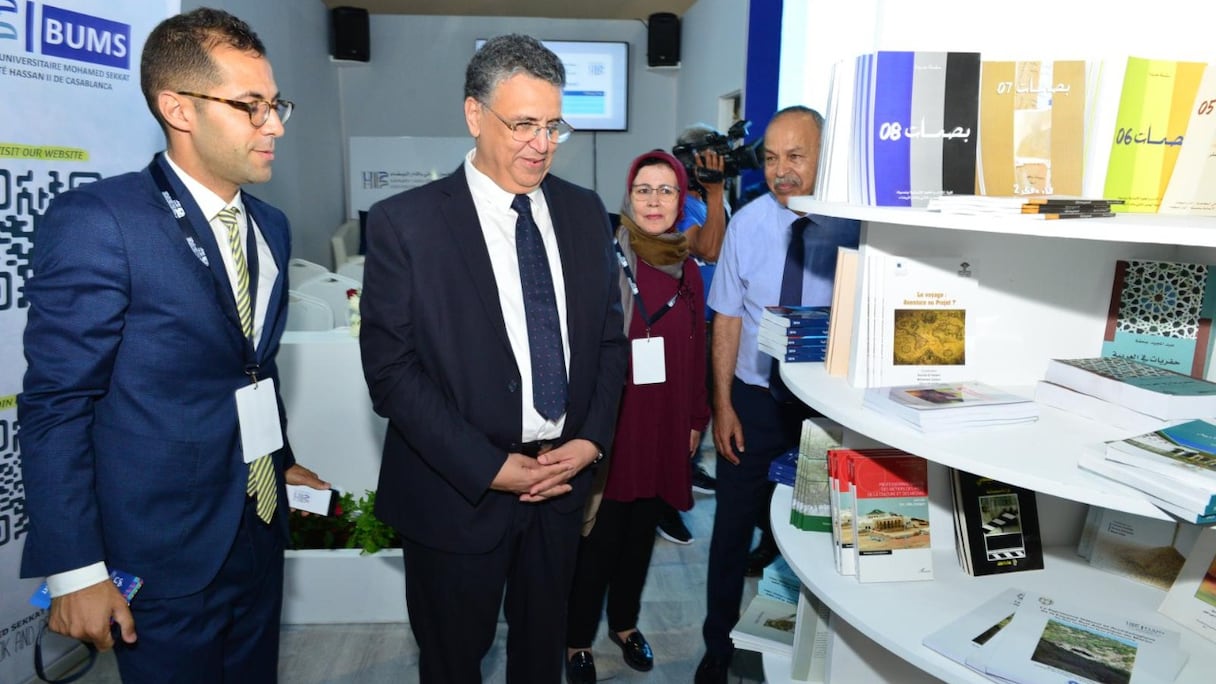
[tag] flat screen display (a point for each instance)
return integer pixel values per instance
(596, 97)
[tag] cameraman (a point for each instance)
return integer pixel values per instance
(704, 219)
(704, 222)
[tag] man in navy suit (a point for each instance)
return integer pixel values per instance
(157, 304)
(492, 340)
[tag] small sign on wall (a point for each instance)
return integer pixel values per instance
(381, 167)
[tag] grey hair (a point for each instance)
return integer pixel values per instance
(501, 57)
(696, 134)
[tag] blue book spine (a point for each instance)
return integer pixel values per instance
(892, 103)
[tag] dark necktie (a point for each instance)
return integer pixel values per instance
(540, 309)
(791, 294)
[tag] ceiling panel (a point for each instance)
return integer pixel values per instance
(553, 9)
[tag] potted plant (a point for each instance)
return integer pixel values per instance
(344, 568)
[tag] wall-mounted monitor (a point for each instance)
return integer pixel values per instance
(596, 97)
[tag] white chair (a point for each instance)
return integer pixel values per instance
(331, 288)
(352, 269)
(345, 243)
(305, 312)
(300, 271)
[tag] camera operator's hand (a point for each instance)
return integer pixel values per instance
(705, 242)
(708, 159)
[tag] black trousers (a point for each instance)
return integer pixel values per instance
(613, 561)
(453, 600)
(770, 428)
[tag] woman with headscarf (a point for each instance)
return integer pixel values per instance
(664, 410)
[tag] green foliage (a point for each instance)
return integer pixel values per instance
(353, 526)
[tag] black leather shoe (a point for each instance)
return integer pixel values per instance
(712, 670)
(580, 668)
(759, 559)
(635, 649)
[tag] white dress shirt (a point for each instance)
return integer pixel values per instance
(497, 220)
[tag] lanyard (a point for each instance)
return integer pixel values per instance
(191, 235)
(637, 294)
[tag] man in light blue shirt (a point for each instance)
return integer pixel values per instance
(751, 426)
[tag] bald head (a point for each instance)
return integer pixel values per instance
(791, 152)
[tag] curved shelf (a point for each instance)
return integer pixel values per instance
(1195, 231)
(898, 615)
(1041, 456)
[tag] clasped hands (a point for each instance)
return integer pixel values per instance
(546, 476)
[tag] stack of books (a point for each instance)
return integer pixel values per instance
(1175, 467)
(795, 333)
(768, 623)
(951, 406)
(810, 504)
(1125, 392)
(996, 526)
(880, 514)
(1035, 207)
(1022, 636)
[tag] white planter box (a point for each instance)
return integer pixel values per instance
(342, 586)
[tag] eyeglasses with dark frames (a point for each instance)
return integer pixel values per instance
(258, 110)
(525, 131)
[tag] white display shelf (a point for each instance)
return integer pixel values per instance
(897, 615)
(1136, 228)
(1041, 456)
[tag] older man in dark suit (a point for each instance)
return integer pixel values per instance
(492, 341)
(156, 308)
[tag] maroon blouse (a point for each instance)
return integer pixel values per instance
(650, 456)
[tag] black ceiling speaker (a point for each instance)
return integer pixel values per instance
(349, 34)
(663, 40)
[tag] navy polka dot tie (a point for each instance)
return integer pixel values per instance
(540, 308)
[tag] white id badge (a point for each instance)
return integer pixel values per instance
(649, 363)
(258, 413)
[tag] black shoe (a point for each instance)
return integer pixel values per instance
(635, 649)
(672, 527)
(712, 670)
(702, 481)
(580, 668)
(760, 558)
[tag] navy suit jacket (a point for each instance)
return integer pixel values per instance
(129, 438)
(439, 364)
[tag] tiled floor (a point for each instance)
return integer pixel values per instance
(674, 606)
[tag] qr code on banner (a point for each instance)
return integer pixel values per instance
(13, 523)
(24, 198)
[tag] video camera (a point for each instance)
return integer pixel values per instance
(735, 155)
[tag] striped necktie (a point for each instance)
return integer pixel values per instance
(261, 484)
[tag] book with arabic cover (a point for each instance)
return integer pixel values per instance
(1192, 186)
(1032, 127)
(1161, 314)
(1142, 387)
(1150, 127)
(922, 125)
